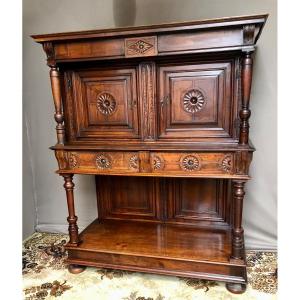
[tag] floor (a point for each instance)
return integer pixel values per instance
(45, 276)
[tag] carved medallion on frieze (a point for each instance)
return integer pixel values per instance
(226, 163)
(106, 103)
(142, 46)
(193, 101)
(190, 163)
(158, 162)
(73, 161)
(134, 162)
(103, 161)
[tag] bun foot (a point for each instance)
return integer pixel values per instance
(76, 269)
(236, 288)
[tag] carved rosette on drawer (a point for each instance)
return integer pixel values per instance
(103, 161)
(157, 162)
(226, 163)
(134, 162)
(190, 163)
(73, 160)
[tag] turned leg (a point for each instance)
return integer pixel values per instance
(72, 219)
(237, 230)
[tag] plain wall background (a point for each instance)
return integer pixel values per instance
(44, 203)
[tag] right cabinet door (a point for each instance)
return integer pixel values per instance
(196, 101)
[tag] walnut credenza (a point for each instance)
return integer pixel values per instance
(159, 114)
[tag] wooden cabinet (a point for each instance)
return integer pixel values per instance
(160, 115)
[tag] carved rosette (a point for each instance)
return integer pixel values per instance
(226, 163)
(103, 161)
(106, 103)
(193, 101)
(134, 162)
(190, 163)
(140, 46)
(73, 161)
(158, 163)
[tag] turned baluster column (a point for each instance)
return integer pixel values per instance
(59, 118)
(56, 92)
(72, 218)
(237, 230)
(245, 112)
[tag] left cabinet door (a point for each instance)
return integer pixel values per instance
(101, 104)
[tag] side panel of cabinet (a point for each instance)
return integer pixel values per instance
(102, 104)
(196, 101)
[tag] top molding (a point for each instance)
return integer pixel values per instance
(225, 34)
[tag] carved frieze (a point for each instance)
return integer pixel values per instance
(248, 34)
(73, 161)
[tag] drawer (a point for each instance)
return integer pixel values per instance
(102, 162)
(192, 163)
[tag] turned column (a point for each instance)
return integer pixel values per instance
(237, 230)
(245, 112)
(72, 218)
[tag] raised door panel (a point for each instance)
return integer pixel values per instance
(102, 104)
(128, 197)
(193, 200)
(196, 101)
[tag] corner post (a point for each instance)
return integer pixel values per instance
(72, 218)
(237, 230)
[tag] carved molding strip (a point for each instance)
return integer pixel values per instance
(193, 101)
(190, 163)
(106, 103)
(142, 46)
(134, 162)
(158, 162)
(103, 161)
(248, 34)
(147, 88)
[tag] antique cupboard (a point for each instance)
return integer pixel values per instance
(159, 114)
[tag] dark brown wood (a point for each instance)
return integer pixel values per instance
(72, 218)
(237, 230)
(160, 114)
(59, 117)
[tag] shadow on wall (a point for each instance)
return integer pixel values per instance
(124, 12)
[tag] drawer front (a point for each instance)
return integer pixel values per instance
(192, 163)
(145, 162)
(103, 162)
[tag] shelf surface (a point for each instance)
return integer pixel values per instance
(149, 239)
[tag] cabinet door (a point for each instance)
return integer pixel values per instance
(102, 104)
(196, 101)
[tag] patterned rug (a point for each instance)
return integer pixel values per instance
(45, 276)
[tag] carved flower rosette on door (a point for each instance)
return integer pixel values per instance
(106, 103)
(193, 101)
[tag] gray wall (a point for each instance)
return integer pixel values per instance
(40, 182)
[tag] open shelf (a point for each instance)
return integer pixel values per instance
(158, 248)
